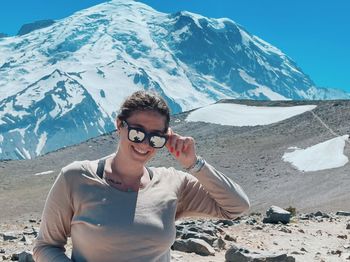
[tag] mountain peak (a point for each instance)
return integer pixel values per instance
(30, 27)
(93, 59)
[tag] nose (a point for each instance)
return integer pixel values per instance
(146, 143)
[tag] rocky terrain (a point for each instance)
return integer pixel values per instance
(306, 237)
(251, 156)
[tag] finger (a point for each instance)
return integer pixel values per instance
(170, 138)
(189, 141)
(179, 146)
(174, 139)
(169, 131)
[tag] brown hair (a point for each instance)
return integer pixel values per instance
(143, 101)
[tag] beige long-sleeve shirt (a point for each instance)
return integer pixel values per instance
(107, 225)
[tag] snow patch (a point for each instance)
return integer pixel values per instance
(261, 89)
(264, 90)
(26, 153)
(181, 34)
(325, 155)
(266, 47)
(243, 115)
(41, 143)
(44, 173)
(20, 153)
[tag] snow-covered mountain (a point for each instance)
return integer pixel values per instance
(63, 84)
(27, 28)
(3, 35)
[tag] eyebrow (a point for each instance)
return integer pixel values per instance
(151, 131)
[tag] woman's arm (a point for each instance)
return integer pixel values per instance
(55, 224)
(210, 192)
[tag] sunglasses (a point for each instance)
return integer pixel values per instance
(138, 135)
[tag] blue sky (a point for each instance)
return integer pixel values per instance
(314, 33)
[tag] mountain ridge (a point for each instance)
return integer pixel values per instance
(118, 47)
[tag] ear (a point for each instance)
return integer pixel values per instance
(118, 124)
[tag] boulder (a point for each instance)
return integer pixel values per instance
(236, 254)
(197, 246)
(9, 236)
(276, 214)
(207, 238)
(343, 213)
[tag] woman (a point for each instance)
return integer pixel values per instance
(117, 209)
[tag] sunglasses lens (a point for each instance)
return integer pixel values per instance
(136, 135)
(157, 141)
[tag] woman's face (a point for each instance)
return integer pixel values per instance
(150, 121)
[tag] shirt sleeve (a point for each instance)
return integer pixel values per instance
(211, 193)
(55, 224)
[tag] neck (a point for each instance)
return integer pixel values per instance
(130, 173)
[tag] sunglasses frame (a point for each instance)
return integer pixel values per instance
(148, 135)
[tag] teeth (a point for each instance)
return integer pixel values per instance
(140, 151)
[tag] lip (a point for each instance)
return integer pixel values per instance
(138, 152)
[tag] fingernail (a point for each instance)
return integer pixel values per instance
(177, 153)
(171, 149)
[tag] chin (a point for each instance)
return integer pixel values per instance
(141, 157)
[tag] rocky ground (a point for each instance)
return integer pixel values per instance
(307, 237)
(251, 156)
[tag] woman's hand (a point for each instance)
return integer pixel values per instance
(182, 148)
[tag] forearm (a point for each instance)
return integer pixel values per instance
(228, 195)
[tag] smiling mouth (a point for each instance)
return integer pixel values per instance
(139, 151)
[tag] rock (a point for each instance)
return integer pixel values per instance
(22, 257)
(276, 214)
(343, 213)
(342, 236)
(23, 239)
(234, 249)
(285, 230)
(319, 219)
(304, 217)
(219, 243)
(30, 231)
(251, 221)
(221, 230)
(2, 251)
(318, 214)
(348, 226)
(14, 257)
(193, 229)
(197, 246)
(211, 232)
(297, 253)
(230, 238)
(207, 238)
(225, 222)
(236, 254)
(9, 236)
(336, 252)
